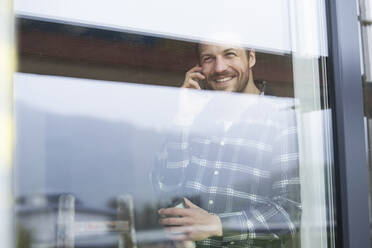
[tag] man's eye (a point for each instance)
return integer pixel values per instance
(230, 54)
(207, 59)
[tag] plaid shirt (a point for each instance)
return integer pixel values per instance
(246, 171)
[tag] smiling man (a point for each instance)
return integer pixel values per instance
(223, 68)
(237, 169)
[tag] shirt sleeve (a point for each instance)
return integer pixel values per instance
(278, 217)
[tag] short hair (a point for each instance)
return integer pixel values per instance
(197, 51)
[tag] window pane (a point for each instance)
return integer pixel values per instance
(156, 128)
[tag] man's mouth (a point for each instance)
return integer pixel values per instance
(222, 80)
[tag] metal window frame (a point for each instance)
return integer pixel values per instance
(346, 97)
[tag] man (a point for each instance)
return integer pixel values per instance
(243, 167)
(223, 68)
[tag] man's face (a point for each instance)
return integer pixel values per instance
(225, 68)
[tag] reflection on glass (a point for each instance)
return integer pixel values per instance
(241, 160)
(239, 163)
(236, 153)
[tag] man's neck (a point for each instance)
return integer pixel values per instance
(251, 87)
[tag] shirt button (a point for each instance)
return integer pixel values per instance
(222, 143)
(210, 202)
(216, 172)
(232, 242)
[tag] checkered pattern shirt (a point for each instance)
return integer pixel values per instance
(245, 171)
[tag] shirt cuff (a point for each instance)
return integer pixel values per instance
(234, 225)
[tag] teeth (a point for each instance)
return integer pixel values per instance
(223, 79)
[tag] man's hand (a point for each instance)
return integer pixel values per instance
(192, 77)
(191, 223)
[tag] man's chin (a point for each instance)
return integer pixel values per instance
(223, 87)
(228, 88)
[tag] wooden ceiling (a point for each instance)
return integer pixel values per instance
(69, 50)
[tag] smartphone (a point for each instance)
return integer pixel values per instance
(179, 203)
(202, 83)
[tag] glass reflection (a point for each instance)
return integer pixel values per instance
(234, 155)
(103, 163)
(237, 167)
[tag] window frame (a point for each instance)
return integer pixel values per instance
(346, 97)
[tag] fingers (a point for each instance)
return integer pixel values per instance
(190, 204)
(196, 68)
(178, 233)
(195, 75)
(179, 229)
(175, 212)
(177, 221)
(188, 232)
(190, 229)
(191, 84)
(192, 77)
(178, 236)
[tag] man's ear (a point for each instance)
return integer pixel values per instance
(251, 58)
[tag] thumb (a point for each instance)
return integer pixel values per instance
(189, 203)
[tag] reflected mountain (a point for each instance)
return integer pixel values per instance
(93, 159)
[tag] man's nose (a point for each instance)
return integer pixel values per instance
(220, 65)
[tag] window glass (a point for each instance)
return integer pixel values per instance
(173, 125)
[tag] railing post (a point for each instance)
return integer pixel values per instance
(65, 221)
(125, 212)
